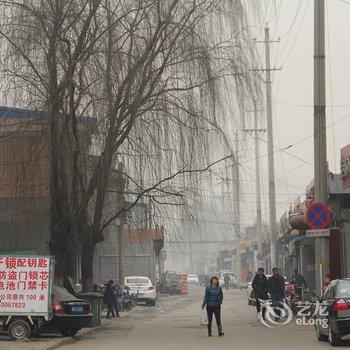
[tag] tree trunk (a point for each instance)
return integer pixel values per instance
(87, 256)
(61, 264)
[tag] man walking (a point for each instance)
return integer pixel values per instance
(298, 281)
(260, 289)
(276, 288)
(109, 299)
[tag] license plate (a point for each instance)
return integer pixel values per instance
(78, 309)
(141, 295)
(344, 314)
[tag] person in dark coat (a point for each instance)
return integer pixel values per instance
(117, 292)
(276, 288)
(213, 299)
(109, 299)
(260, 288)
(298, 281)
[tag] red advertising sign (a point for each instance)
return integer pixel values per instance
(24, 285)
(345, 166)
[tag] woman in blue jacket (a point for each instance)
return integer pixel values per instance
(212, 300)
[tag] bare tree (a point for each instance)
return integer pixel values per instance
(162, 80)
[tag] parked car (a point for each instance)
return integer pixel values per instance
(232, 277)
(142, 287)
(243, 285)
(172, 282)
(251, 301)
(332, 319)
(70, 314)
(193, 279)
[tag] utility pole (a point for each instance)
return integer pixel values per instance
(270, 147)
(320, 139)
(237, 209)
(256, 132)
(258, 189)
(271, 157)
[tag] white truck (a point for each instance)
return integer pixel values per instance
(26, 284)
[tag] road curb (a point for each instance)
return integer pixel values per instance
(67, 341)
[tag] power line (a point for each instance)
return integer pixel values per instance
(346, 2)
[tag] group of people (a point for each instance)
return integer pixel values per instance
(262, 287)
(275, 286)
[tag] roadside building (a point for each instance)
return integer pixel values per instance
(141, 247)
(339, 203)
(24, 182)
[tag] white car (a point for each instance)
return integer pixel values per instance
(232, 279)
(193, 279)
(251, 301)
(141, 287)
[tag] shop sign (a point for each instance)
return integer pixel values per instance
(318, 233)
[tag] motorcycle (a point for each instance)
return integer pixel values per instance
(301, 298)
(172, 288)
(124, 302)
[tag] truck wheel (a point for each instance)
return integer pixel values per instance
(68, 332)
(19, 329)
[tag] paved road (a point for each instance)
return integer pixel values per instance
(174, 324)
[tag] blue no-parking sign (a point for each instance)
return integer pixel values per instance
(318, 216)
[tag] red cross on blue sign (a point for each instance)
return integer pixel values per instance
(318, 216)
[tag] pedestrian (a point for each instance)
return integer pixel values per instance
(298, 281)
(96, 288)
(213, 299)
(260, 288)
(109, 299)
(118, 293)
(207, 281)
(276, 288)
(250, 276)
(227, 280)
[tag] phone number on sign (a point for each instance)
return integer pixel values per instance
(12, 305)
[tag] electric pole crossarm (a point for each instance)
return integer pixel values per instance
(265, 69)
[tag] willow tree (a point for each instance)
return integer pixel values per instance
(163, 80)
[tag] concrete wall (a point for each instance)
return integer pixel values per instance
(139, 258)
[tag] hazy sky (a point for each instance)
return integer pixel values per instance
(292, 22)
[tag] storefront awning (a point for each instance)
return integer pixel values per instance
(299, 239)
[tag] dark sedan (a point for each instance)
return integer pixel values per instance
(332, 319)
(70, 313)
